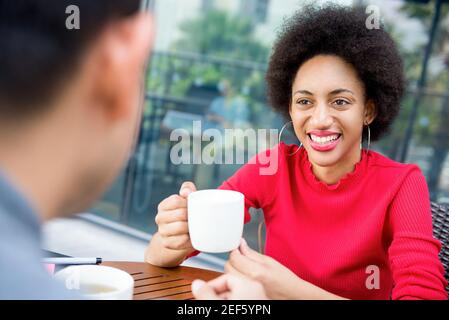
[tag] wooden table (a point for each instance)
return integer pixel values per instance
(151, 282)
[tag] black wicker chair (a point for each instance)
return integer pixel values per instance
(440, 217)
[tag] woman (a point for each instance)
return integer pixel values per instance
(342, 221)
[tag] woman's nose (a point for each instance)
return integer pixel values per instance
(321, 115)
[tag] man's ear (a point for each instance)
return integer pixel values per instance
(370, 112)
(117, 63)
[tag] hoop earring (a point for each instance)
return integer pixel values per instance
(369, 139)
(280, 135)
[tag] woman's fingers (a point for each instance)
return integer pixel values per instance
(187, 188)
(250, 253)
(174, 229)
(235, 268)
(172, 202)
(246, 266)
(164, 217)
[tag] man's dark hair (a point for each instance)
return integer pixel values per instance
(38, 52)
(339, 31)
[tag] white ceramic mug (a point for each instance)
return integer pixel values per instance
(98, 282)
(215, 219)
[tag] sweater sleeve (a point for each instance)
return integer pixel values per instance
(413, 253)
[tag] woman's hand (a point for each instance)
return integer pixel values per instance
(228, 287)
(171, 219)
(278, 281)
(171, 244)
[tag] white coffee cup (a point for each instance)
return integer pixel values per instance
(215, 220)
(98, 282)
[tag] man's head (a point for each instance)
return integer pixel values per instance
(70, 97)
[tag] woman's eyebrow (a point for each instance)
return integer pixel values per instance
(303, 92)
(340, 90)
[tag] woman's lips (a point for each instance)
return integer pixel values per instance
(327, 146)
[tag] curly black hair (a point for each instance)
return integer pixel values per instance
(339, 31)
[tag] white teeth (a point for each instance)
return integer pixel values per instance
(323, 140)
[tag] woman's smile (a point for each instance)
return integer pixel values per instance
(323, 140)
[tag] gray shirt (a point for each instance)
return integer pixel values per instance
(22, 274)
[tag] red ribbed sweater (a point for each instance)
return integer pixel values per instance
(367, 237)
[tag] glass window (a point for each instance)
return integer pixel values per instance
(208, 67)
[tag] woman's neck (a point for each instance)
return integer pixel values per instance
(332, 174)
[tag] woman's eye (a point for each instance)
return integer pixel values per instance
(341, 102)
(303, 102)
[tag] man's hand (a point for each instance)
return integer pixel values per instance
(228, 287)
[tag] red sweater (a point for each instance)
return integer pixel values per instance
(375, 221)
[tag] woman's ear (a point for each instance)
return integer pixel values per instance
(370, 112)
(290, 109)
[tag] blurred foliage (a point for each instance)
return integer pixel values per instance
(219, 34)
(224, 42)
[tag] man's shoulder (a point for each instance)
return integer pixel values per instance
(22, 274)
(23, 277)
